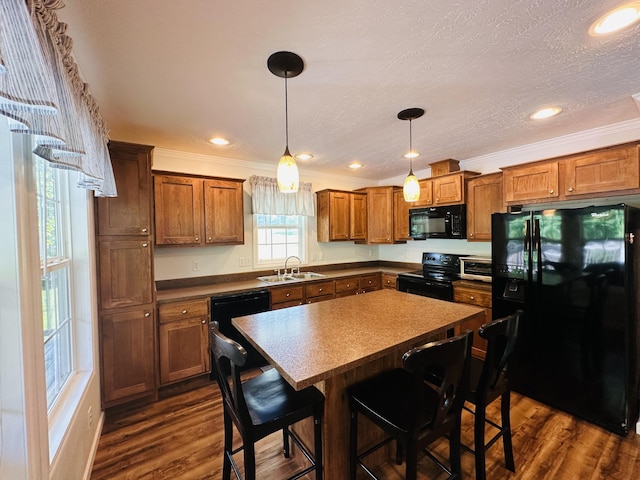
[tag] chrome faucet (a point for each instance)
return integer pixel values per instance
(287, 260)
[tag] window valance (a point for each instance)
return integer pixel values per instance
(42, 94)
(267, 199)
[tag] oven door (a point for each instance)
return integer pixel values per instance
(420, 286)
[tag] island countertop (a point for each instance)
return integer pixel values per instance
(310, 343)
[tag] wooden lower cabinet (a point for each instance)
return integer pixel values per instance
(318, 292)
(345, 287)
(183, 340)
(477, 294)
(289, 296)
(128, 354)
(369, 283)
(389, 281)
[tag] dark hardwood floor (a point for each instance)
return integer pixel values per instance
(180, 438)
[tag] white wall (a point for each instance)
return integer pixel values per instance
(173, 263)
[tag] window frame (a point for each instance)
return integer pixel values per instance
(302, 224)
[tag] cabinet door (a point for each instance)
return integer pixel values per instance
(358, 217)
(531, 182)
(184, 349)
(128, 354)
(130, 212)
(223, 212)
(125, 273)
(369, 283)
(178, 210)
(484, 197)
(400, 217)
(448, 189)
(602, 172)
(380, 215)
(339, 213)
(389, 281)
(426, 194)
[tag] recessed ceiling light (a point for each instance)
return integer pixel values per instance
(355, 165)
(219, 141)
(304, 156)
(545, 113)
(616, 19)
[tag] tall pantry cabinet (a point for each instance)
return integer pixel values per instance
(126, 292)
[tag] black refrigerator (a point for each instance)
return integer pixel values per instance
(574, 273)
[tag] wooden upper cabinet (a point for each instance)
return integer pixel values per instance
(358, 216)
(341, 216)
(449, 189)
(193, 210)
(484, 197)
(223, 212)
(379, 214)
(426, 194)
(534, 181)
(130, 212)
(125, 273)
(178, 210)
(400, 216)
(603, 171)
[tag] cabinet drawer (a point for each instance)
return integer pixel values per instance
(345, 285)
(170, 312)
(369, 283)
(389, 281)
(293, 303)
(472, 296)
(319, 289)
(287, 294)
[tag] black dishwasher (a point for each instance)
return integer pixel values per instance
(226, 307)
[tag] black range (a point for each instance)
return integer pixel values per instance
(435, 279)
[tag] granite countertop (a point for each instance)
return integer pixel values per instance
(310, 343)
(222, 288)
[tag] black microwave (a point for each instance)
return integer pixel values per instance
(438, 222)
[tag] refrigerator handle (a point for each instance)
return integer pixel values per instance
(527, 236)
(538, 250)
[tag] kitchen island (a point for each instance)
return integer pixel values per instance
(337, 343)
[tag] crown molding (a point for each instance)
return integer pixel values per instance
(600, 137)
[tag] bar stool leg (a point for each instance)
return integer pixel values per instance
(317, 420)
(455, 452)
(353, 445)
(505, 407)
(249, 461)
(285, 443)
(478, 439)
(228, 447)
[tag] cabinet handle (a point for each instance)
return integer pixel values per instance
(210, 238)
(145, 245)
(197, 239)
(551, 191)
(184, 311)
(348, 285)
(319, 290)
(144, 230)
(472, 297)
(288, 295)
(203, 322)
(147, 314)
(471, 234)
(570, 189)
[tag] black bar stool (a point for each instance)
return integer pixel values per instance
(488, 381)
(261, 406)
(415, 405)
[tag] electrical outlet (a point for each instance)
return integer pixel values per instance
(247, 261)
(314, 256)
(320, 255)
(196, 266)
(242, 261)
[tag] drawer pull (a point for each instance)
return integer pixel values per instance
(472, 297)
(147, 314)
(184, 311)
(144, 230)
(288, 295)
(319, 289)
(197, 239)
(551, 191)
(571, 189)
(348, 285)
(145, 245)
(203, 322)
(209, 239)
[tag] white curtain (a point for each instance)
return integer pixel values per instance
(42, 94)
(267, 199)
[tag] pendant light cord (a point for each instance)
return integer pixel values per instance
(286, 113)
(410, 149)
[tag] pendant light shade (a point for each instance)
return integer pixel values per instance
(286, 65)
(411, 187)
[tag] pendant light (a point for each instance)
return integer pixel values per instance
(286, 65)
(411, 187)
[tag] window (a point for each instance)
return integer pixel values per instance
(55, 274)
(279, 237)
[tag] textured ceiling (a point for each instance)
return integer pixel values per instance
(173, 74)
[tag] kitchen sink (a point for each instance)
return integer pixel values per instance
(290, 277)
